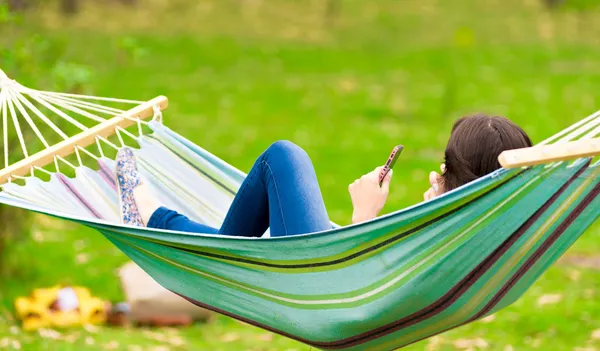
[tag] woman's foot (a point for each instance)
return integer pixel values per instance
(137, 204)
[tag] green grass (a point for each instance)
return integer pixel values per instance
(380, 73)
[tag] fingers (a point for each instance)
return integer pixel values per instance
(429, 194)
(385, 185)
(434, 179)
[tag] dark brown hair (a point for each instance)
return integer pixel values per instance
(474, 146)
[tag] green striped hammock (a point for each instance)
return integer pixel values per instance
(378, 285)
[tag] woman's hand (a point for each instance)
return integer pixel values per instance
(367, 196)
(435, 180)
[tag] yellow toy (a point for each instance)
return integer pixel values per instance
(60, 307)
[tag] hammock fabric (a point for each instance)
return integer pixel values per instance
(378, 285)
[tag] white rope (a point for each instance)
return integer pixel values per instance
(135, 119)
(41, 115)
(158, 117)
(17, 126)
(3, 107)
(131, 135)
(84, 104)
(591, 134)
(30, 121)
(90, 97)
(108, 142)
(64, 102)
(580, 131)
(66, 162)
(574, 130)
(56, 164)
(117, 131)
(78, 156)
(87, 152)
(42, 169)
(139, 124)
(75, 109)
(99, 147)
(58, 112)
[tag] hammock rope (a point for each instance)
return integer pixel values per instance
(378, 285)
(20, 103)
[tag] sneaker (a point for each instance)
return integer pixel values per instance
(128, 178)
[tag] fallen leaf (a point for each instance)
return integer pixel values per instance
(489, 318)
(176, 340)
(229, 337)
(89, 340)
(82, 258)
(112, 345)
(509, 348)
(435, 342)
(265, 337)
(135, 348)
(37, 236)
(160, 348)
(347, 85)
(91, 328)
(155, 336)
(16, 345)
(49, 334)
(549, 299)
(466, 344)
(596, 334)
(4, 342)
(71, 338)
(574, 275)
(14, 330)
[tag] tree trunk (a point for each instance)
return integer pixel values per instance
(551, 4)
(69, 7)
(332, 10)
(17, 5)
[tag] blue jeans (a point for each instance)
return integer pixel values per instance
(281, 192)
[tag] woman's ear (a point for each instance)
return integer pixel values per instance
(443, 168)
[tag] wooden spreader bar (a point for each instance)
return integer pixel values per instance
(541, 154)
(83, 139)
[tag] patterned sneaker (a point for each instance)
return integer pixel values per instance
(128, 178)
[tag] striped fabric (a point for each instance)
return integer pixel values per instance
(378, 285)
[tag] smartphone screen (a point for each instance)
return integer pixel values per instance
(391, 161)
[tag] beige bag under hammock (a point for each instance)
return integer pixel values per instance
(148, 299)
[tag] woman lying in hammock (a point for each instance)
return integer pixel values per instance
(281, 191)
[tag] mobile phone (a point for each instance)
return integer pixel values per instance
(391, 161)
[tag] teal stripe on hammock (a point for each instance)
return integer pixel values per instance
(375, 286)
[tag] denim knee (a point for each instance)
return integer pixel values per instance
(284, 149)
(160, 218)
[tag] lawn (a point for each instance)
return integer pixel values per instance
(345, 84)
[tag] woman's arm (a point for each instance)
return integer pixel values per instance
(368, 198)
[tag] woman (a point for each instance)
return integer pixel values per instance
(281, 191)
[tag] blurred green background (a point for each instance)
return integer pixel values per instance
(345, 79)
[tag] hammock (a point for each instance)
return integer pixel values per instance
(378, 285)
